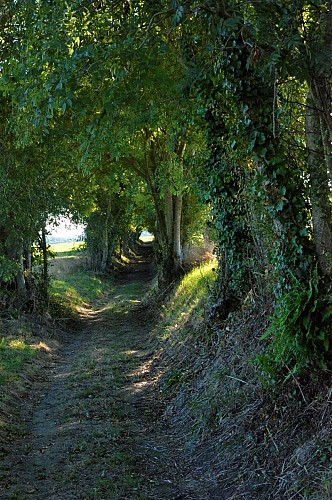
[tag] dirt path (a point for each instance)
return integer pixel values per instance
(93, 428)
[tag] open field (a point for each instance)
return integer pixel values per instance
(69, 257)
(69, 249)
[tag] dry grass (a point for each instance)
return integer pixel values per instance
(242, 438)
(66, 265)
(196, 253)
(67, 249)
(251, 439)
(94, 430)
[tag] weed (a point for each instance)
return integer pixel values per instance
(119, 457)
(220, 373)
(91, 391)
(116, 433)
(119, 412)
(130, 481)
(173, 378)
(105, 485)
(81, 446)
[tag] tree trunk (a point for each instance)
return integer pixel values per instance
(320, 190)
(177, 243)
(27, 257)
(169, 214)
(105, 241)
(20, 281)
(43, 244)
(13, 250)
(168, 208)
(15, 253)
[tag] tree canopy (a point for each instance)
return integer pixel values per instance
(182, 117)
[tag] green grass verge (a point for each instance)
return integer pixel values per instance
(80, 288)
(14, 353)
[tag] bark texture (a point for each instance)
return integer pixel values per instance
(320, 189)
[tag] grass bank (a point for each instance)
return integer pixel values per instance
(257, 440)
(27, 342)
(14, 353)
(25, 347)
(79, 289)
(185, 309)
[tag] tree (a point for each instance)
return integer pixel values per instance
(124, 90)
(252, 58)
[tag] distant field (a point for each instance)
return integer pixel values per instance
(68, 258)
(147, 238)
(67, 249)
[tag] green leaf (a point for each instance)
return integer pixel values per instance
(307, 322)
(327, 314)
(232, 23)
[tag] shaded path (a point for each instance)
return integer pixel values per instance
(93, 427)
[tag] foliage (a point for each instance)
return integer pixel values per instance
(300, 333)
(162, 114)
(8, 269)
(137, 121)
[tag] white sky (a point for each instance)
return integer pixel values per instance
(65, 228)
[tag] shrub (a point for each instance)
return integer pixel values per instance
(300, 333)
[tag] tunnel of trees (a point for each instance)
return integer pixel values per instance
(190, 119)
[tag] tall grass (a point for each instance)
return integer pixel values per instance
(189, 299)
(14, 353)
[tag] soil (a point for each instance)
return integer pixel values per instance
(94, 418)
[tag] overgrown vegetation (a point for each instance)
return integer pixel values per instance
(24, 349)
(211, 120)
(80, 288)
(300, 331)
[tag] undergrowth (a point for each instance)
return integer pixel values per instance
(24, 348)
(260, 440)
(300, 334)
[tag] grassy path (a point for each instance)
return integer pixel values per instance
(93, 428)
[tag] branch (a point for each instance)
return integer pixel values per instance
(133, 163)
(162, 12)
